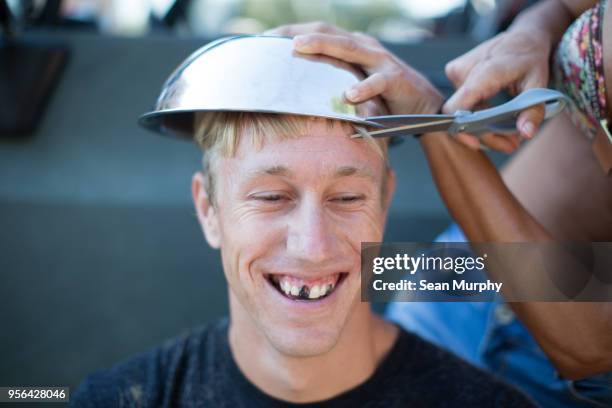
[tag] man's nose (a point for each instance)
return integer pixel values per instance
(311, 237)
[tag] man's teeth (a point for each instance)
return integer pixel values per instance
(314, 292)
(305, 292)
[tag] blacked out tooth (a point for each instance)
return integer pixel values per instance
(304, 292)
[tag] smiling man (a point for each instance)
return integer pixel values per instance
(288, 200)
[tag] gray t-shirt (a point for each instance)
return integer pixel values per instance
(198, 370)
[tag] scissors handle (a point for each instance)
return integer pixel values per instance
(487, 119)
(499, 119)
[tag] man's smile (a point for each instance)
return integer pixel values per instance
(308, 289)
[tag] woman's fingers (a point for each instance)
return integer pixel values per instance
(367, 39)
(482, 82)
(370, 87)
(345, 48)
(403, 89)
(502, 143)
(470, 141)
(530, 120)
(458, 69)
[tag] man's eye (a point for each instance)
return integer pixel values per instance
(348, 198)
(270, 197)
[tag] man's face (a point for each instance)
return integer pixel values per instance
(289, 221)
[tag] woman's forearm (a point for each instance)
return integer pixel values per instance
(476, 195)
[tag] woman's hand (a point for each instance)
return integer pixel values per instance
(515, 60)
(404, 89)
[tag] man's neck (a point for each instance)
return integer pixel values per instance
(363, 343)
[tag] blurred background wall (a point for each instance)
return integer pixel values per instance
(101, 255)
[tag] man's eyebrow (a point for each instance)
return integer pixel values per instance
(341, 171)
(344, 171)
(273, 171)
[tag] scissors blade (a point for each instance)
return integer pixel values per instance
(405, 120)
(397, 125)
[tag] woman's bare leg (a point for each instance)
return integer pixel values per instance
(559, 181)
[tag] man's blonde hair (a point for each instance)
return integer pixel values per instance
(218, 134)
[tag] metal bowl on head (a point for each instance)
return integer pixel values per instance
(257, 74)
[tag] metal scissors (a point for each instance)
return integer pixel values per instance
(499, 119)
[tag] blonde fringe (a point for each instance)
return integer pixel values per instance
(219, 133)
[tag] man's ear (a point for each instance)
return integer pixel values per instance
(205, 210)
(389, 188)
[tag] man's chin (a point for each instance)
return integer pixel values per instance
(301, 342)
(304, 328)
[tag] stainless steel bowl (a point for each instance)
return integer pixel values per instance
(257, 74)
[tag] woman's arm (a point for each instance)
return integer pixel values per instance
(575, 336)
(476, 195)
